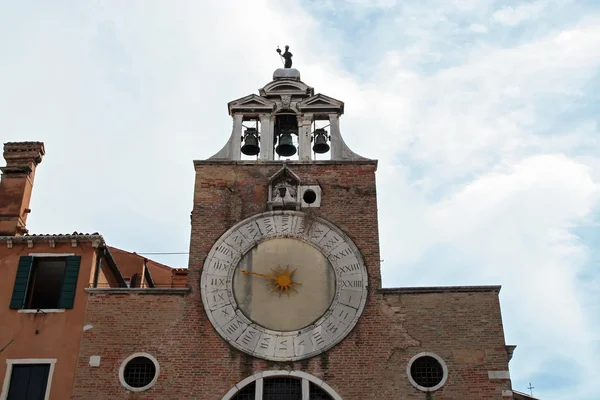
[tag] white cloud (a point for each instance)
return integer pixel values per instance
(512, 16)
(478, 28)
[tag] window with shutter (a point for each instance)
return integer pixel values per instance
(45, 282)
(21, 282)
(28, 381)
(69, 283)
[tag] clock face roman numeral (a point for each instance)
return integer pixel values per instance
(225, 250)
(341, 254)
(269, 227)
(249, 338)
(219, 297)
(318, 339)
(234, 328)
(285, 224)
(218, 281)
(316, 232)
(331, 241)
(252, 231)
(348, 269)
(266, 345)
(353, 284)
(218, 265)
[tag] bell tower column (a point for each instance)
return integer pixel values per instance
(337, 145)
(266, 137)
(304, 153)
(236, 137)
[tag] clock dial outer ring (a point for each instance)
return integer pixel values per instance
(334, 325)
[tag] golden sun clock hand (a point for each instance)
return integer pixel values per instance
(281, 280)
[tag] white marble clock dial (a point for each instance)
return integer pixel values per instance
(283, 287)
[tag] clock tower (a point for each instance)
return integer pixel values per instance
(285, 271)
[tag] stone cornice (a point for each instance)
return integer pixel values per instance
(440, 289)
(178, 291)
(287, 163)
(55, 237)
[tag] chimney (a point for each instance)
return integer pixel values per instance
(16, 184)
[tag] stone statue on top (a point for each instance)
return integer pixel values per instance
(287, 56)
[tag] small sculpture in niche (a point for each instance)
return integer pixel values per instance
(284, 192)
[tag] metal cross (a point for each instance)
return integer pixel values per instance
(531, 389)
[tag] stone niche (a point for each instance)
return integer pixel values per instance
(283, 190)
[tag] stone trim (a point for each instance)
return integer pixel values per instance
(440, 289)
(122, 371)
(9, 367)
(179, 291)
(498, 375)
(288, 162)
(305, 377)
(50, 254)
(423, 388)
(40, 310)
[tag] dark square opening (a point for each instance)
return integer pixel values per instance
(45, 283)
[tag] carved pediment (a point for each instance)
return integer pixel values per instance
(285, 173)
(286, 87)
(252, 102)
(320, 102)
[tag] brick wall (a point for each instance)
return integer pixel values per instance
(463, 327)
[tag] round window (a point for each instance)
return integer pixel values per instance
(309, 196)
(427, 372)
(139, 372)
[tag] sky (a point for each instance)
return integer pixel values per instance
(483, 116)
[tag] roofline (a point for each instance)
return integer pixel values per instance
(113, 267)
(78, 236)
(101, 244)
(526, 395)
(440, 289)
(144, 259)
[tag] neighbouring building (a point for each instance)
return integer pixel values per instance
(43, 283)
(282, 299)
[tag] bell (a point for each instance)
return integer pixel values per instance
(285, 148)
(321, 145)
(250, 147)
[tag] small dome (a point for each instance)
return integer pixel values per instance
(286, 73)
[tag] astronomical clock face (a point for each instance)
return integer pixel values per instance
(283, 287)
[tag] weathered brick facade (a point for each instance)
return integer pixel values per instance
(462, 325)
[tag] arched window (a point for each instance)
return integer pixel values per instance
(282, 385)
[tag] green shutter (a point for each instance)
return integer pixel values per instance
(21, 283)
(69, 285)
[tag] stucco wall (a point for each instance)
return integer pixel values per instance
(43, 335)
